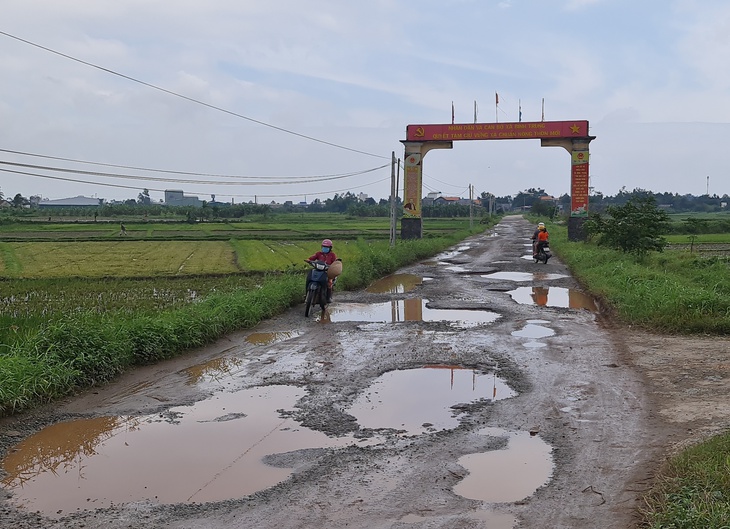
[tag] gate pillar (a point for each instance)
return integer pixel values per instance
(411, 225)
(579, 175)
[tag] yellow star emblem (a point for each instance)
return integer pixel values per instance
(575, 129)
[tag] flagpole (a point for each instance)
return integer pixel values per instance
(475, 111)
(496, 107)
(543, 110)
(452, 112)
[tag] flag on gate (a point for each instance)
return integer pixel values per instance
(452, 112)
(496, 98)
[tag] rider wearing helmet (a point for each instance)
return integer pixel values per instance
(542, 238)
(534, 238)
(328, 256)
(325, 254)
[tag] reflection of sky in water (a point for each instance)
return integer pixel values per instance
(206, 452)
(408, 310)
(507, 475)
(553, 297)
(406, 399)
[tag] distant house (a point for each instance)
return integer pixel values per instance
(175, 197)
(445, 201)
(428, 199)
(74, 202)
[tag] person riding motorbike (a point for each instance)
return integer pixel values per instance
(534, 238)
(542, 238)
(328, 256)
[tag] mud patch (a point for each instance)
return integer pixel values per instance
(269, 338)
(214, 369)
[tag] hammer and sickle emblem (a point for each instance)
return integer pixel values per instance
(420, 132)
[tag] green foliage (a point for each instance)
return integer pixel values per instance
(694, 492)
(675, 292)
(635, 227)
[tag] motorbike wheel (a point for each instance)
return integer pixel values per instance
(308, 302)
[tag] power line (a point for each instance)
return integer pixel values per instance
(192, 100)
(293, 180)
(106, 184)
(168, 171)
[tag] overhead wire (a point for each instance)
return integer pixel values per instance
(293, 180)
(168, 171)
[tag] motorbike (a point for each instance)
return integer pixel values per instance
(317, 286)
(543, 253)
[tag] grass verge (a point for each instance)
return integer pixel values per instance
(86, 348)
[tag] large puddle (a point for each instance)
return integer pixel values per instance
(417, 401)
(524, 276)
(507, 475)
(395, 284)
(403, 310)
(554, 297)
(269, 338)
(210, 451)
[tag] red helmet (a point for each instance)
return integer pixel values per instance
(327, 243)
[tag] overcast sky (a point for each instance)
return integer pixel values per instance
(325, 88)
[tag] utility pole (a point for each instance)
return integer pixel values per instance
(471, 206)
(392, 199)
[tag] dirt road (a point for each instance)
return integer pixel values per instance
(479, 390)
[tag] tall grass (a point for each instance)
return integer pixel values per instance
(672, 291)
(694, 490)
(88, 347)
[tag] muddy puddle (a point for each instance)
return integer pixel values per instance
(214, 369)
(524, 276)
(269, 338)
(210, 451)
(417, 401)
(395, 284)
(405, 310)
(554, 297)
(508, 475)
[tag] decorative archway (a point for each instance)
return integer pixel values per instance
(571, 135)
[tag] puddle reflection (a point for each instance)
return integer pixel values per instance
(413, 309)
(524, 276)
(395, 284)
(269, 338)
(507, 475)
(213, 369)
(420, 400)
(210, 451)
(554, 297)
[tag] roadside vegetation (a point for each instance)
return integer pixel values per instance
(77, 313)
(677, 289)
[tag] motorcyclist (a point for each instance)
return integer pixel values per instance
(542, 238)
(328, 256)
(534, 238)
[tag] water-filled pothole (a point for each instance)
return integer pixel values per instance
(422, 400)
(395, 284)
(214, 369)
(533, 330)
(524, 276)
(210, 451)
(507, 475)
(269, 338)
(413, 309)
(554, 297)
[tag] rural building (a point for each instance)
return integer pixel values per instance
(175, 197)
(74, 202)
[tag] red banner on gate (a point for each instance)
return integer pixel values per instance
(497, 131)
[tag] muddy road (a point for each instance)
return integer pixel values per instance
(475, 390)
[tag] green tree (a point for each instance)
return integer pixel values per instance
(634, 227)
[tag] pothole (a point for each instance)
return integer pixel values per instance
(507, 475)
(210, 451)
(524, 276)
(417, 401)
(533, 330)
(404, 310)
(554, 297)
(213, 369)
(395, 284)
(269, 338)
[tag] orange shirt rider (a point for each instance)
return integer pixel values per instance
(542, 238)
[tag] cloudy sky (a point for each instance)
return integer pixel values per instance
(289, 100)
